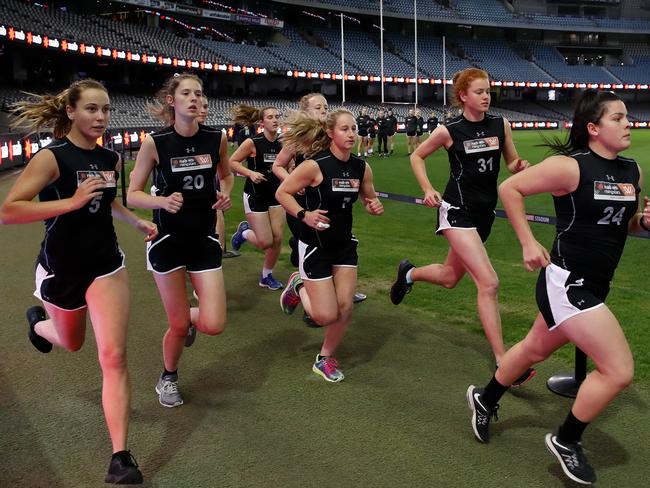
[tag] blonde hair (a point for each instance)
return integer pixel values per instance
(308, 135)
(463, 79)
(50, 110)
(303, 104)
(160, 109)
(247, 114)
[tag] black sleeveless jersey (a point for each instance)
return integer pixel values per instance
(363, 122)
(336, 194)
(475, 160)
(592, 221)
(432, 123)
(411, 123)
(187, 165)
(420, 122)
(265, 154)
(74, 241)
(392, 124)
(372, 126)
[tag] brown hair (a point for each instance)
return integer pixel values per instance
(463, 79)
(50, 110)
(160, 109)
(308, 135)
(303, 104)
(247, 114)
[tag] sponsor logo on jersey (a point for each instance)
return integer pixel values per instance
(191, 163)
(107, 176)
(481, 145)
(345, 184)
(606, 190)
(270, 157)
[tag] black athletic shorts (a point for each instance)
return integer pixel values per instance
(259, 203)
(317, 263)
(170, 252)
(363, 132)
(419, 133)
(562, 294)
(67, 291)
(410, 133)
(452, 217)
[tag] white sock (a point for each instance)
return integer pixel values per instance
(266, 272)
(408, 276)
(246, 233)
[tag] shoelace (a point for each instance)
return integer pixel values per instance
(483, 418)
(170, 386)
(132, 459)
(330, 365)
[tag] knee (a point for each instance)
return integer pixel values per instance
(622, 376)
(324, 318)
(212, 327)
(264, 244)
(112, 358)
(277, 241)
(533, 351)
(489, 286)
(449, 279)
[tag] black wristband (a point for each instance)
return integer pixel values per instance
(301, 215)
(643, 226)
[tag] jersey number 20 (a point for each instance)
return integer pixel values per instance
(193, 183)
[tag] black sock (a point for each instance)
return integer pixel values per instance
(169, 373)
(321, 357)
(493, 393)
(571, 430)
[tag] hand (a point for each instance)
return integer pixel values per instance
(520, 165)
(223, 202)
(172, 203)
(535, 256)
(645, 216)
(432, 198)
(300, 192)
(374, 206)
(314, 217)
(148, 228)
(256, 177)
(90, 188)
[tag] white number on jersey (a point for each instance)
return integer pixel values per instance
(94, 204)
(611, 215)
(193, 182)
(483, 165)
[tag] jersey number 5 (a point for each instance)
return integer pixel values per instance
(611, 215)
(94, 204)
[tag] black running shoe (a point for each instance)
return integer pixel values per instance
(309, 322)
(400, 288)
(123, 470)
(191, 336)
(34, 316)
(481, 415)
(293, 244)
(572, 459)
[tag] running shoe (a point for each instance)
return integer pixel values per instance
(359, 297)
(270, 282)
(237, 239)
(167, 389)
(328, 368)
(400, 287)
(290, 298)
(34, 316)
(231, 254)
(481, 414)
(572, 459)
(123, 470)
(191, 336)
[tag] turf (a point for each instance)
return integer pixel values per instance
(255, 415)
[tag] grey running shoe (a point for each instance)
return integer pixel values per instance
(191, 336)
(572, 459)
(359, 297)
(167, 389)
(328, 368)
(481, 414)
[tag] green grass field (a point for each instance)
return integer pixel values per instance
(256, 416)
